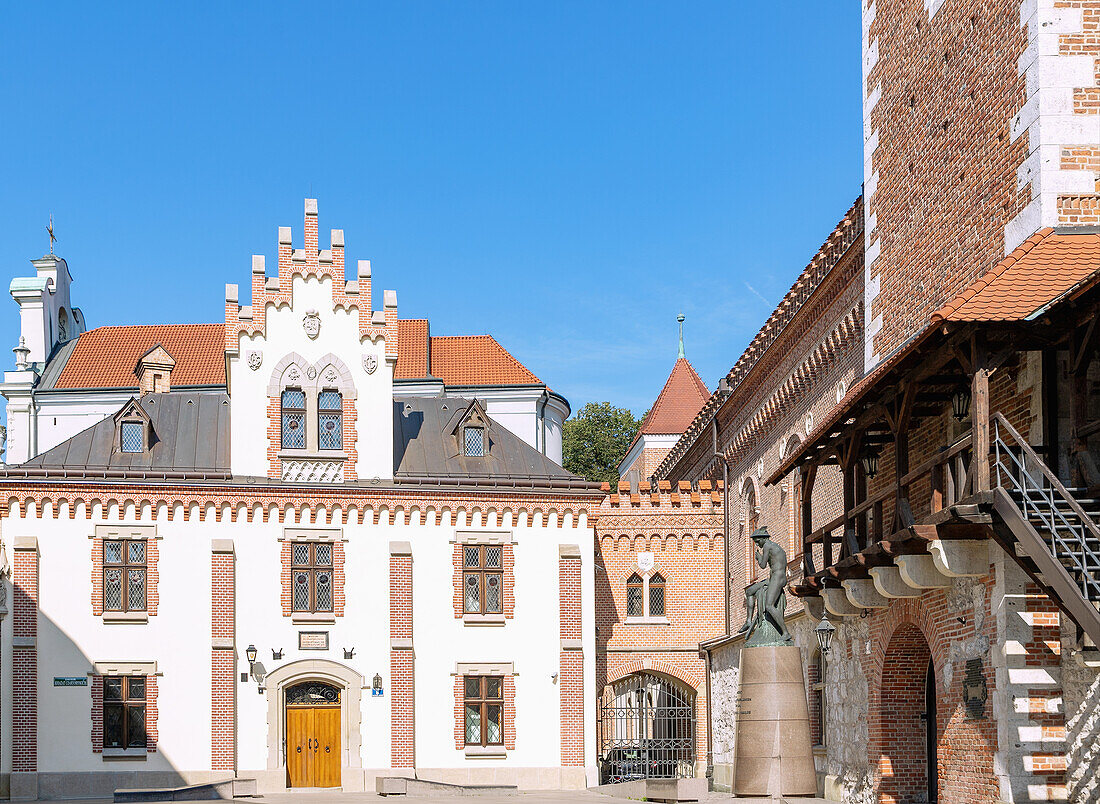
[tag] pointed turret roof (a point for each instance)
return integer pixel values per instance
(680, 400)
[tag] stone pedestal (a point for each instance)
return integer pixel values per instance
(774, 754)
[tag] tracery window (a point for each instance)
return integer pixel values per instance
(124, 574)
(294, 418)
(482, 578)
(124, 712)
(484, 710)
(311, 571)
(645, 596)
(330, 416)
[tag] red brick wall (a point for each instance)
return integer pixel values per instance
(223, 665)
(945, 160)
(570, 661)
(902, 766)
(402, 720)
(25, 660)
(97, 714)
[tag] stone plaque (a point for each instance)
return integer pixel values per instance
(313, 640)
(645, 561)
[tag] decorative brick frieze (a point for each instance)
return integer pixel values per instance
(402, 700)
(223, 656)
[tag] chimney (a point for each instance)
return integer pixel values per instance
(154, 371)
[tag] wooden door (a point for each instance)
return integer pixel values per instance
(313, 746)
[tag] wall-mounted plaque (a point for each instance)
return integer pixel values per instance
(70, 681)
(313, 640)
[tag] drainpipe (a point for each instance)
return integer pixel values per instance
(710, 727)
(540, 435)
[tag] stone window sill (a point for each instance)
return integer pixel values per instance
(126, 617)
(326, 454)
(646, 621)
(125, 753)
(486, 752)
(483, 619)
(313, 617)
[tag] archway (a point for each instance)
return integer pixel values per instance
(907, 720)
(299, 684)
(646, 729)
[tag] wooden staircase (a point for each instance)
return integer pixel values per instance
(1052, 530)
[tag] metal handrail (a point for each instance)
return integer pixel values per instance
(1068, 538)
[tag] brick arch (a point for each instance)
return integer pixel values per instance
(652, 666)
(897, 744)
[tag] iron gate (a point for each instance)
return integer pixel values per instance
(646, 730)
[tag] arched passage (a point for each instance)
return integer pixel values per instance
(907, 720)
(646, 729)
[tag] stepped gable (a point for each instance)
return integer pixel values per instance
(106, 357)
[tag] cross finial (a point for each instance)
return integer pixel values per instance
(680, 321)
(49, 231)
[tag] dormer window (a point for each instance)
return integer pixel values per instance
(330, 416)
(132, 437)
(474, 442)
(294, 418)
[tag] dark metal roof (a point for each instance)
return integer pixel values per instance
(191, 436)
(55, 364)
(425, 448)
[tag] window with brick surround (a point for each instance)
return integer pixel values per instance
(484, 710)
(312, 576)
(293, 409)
(124, 574)
(635, 592)
(645, 597)
(330, 416)
(483, 578)
(124, 712)
(656, 595)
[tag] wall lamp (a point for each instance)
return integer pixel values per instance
(824, 633)
(255, 669)
(870, 463)
(960, 404)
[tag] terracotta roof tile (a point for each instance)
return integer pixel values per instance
(412, 360)
(1041, 270)
(106, 357)
(476, 360)
(682, 397)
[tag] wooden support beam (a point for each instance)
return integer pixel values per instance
(807, 479)
(979, 407)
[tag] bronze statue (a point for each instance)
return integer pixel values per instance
(765, 600)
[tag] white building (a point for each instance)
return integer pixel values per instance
(379, 514)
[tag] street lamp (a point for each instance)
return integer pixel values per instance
(824, 632)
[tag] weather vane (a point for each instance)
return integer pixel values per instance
(53, 237)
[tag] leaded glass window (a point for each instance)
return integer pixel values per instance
(124, 712)
(482, 579)
(330, 417)
(294, 418)
(133, 436)
(656, 595)
(124, 575)
(474, 441)
(313, 693)
(311, 576)
(634, 599)
(484, 707)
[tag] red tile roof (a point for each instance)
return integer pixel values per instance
(457, 360)
(106, 357)
(476, 360)
(412, 339)
(680, 400)
(1043, 269)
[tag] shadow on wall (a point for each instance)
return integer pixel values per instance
(73, 757)
(1082, 726)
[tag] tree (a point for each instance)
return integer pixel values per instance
(596, 439)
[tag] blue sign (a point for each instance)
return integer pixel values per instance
(376, 692)
(70, 681)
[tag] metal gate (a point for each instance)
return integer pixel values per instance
(646, 730)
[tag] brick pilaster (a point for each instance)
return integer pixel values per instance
(571, 658)
(402, 702)
(25, 655)
(223, 656)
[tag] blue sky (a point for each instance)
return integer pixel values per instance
(565, 176)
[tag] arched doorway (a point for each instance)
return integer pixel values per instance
(907, 728)
(646, 729)
(313, 735)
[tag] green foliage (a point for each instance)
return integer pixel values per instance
(596, 439)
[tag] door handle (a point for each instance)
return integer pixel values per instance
(299, 749)
(326, 749)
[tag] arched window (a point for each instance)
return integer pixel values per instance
(294, 418)
(635, 601)
(656, 595)
(330, 419)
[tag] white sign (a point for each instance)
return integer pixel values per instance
(645, 561)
